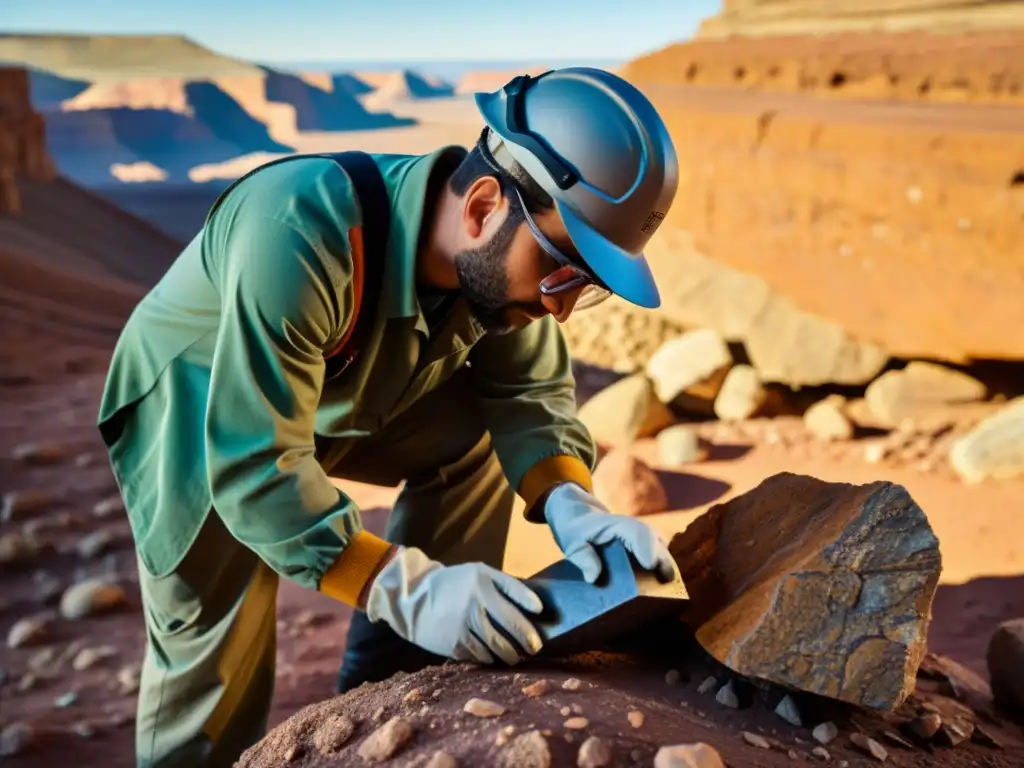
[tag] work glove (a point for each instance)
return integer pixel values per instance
(454, 610)
(579, 521)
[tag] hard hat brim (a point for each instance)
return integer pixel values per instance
(626, 274)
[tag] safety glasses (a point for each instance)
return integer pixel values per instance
(568, 276)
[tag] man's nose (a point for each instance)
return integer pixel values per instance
(562, 304)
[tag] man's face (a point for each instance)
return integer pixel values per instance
(501, 269)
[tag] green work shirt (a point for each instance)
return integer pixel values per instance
(217, 388)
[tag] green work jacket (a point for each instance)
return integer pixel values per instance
(217, 388)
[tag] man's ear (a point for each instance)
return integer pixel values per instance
(484, 208)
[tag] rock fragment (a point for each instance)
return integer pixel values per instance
(845, 572)
(688, 371)
(698, 755)
(528, 750)
(742, 395)
(27, 631)
(537, 689)
(625, 411)
(483, 708)
(15, 739)
(708, 685)
(672, 677)
(128, 678)
(869, 746)
(90, 597)
(953, 734)
(576, 723)
(679, 445)
(17, 548)
(727, 697)
(627, 486)
(1005, 660)
(827, 421)
(755, 741)
(89, 657)
(636, 718)
(824, 733)
(917, 392)
(386, 741)
(788, 711)
(571, 684)
(94, 544)
(821, 753)
(925, 726)
(594, 753)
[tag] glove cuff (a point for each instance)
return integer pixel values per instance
(364, 595)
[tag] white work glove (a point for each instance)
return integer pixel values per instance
(578, 521)
(452, 610)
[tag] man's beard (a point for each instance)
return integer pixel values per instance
(484, 283)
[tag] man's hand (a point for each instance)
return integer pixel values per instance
(454, 610)
(579, 521)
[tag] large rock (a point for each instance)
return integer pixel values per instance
(918, 392)
(825, 587)
(993, 449)
(625, 411)
(786, 344)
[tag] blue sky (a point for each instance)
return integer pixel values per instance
(386, 30)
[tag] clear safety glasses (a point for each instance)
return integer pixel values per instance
(568, 276)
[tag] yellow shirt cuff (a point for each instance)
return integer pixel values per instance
(547, 473)
(347, 576)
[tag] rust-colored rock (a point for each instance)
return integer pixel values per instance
(825, 587)
(627, 486)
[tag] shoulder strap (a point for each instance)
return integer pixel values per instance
(371, 238)
(368, 245)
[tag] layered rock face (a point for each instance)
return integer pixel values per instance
(22, 139)
(773, 17)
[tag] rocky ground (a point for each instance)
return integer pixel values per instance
(72, 671)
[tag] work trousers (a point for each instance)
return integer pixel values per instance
(208, 680)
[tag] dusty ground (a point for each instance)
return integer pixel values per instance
(54, 397)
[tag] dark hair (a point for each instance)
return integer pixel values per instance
(474, 166)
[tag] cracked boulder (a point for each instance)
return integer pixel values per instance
(823, 587)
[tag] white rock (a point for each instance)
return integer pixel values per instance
(698, 755)
(726, 696)
(94, 544)
(689, 370)
(827, 421)
(742, 395)
(625, 411)
(89, 657)
(755, 741)
(27, 631)
(823, 733)
(89, 597)
(594, 753)
(994, 449)
(708, 685)
(679, 445)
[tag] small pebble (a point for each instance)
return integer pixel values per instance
(576, 723)
(576, 709)
(85, 730)
(727, 696)
(539, 688)
(412, 696)
(788, 711)
(572, 684)
(698, 755)
(672, 677)
(707, 686)
(825, 732)
(66, 700)
(483, 708)
(565, 711)
(636, 718)
(822, 753)
(504, 735)
(441, 760)
(870, 746)
(755, 741)
(15, 738)
(383, 743)
(27, 631)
